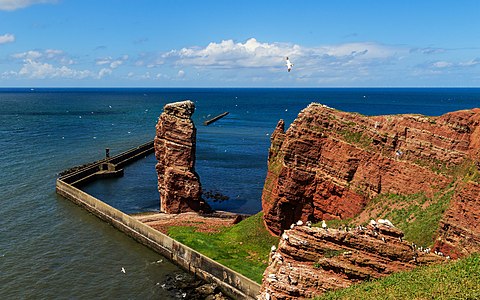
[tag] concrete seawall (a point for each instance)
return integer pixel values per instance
(230, 282)
(107, 167)
(216, 118)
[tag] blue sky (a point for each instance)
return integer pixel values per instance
(174, 43)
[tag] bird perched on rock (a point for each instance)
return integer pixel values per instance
(385, 222)
(324, 225)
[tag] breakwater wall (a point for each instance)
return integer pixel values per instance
(230, 282)
(214, 119)
(107, 167)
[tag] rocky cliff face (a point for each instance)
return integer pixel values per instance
(329, 163)
(175, 140)
(311, 261)
(459, 232)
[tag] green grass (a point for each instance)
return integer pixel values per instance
(416, 215)
(471, 172)
(455, 280)
(243, 247)
(467, 169)
(417, 219)
(357, 138)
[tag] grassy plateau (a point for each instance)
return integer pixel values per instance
(243, 247)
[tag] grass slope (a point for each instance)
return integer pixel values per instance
(244, 247)
(416, 215)
(455, 280)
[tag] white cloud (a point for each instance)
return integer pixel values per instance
(253, 54)
(228, 54)
(104, 72)
(255, 61)
(250, 61)
(116, 63)
(470, 63)
(7, 38)
(54, 63)
(32, 54)
(442, 64)
(52, 53)
(428, 50)
(103, 61)
(38, 70)
(47, 64)
(113, 63)
(16, 4)
(49, 55)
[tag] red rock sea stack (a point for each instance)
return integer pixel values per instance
(175, 141)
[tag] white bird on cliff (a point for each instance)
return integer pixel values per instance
(123, 270)
(385, 222)
(288, 64)
(324, 225)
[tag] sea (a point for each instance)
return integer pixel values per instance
(52, 249)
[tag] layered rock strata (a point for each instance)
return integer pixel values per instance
(329, 163)
(459, 232)
(175, 142)
(311, 261)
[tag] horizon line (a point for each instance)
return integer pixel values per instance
(230, 87)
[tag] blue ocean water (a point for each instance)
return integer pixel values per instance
(49, 248)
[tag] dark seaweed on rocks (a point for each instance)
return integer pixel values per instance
(193, 288)
(216, 196)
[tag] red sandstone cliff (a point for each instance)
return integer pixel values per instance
(311, 261)
(329, 163)
(459, 232)
(175, 141)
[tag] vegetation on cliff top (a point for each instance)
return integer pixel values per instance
(416, 215)
(243, 247)
(455, 280)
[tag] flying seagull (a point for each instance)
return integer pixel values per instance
(288, 64)
(123, 270)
